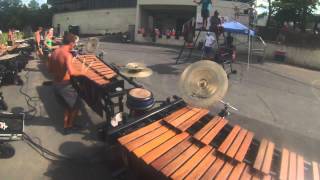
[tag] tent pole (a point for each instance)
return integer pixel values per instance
(249, 51)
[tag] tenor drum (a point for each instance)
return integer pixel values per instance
(140, 100)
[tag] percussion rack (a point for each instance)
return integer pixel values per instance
(109, 89)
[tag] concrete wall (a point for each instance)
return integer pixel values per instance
(309, 58)
(97, 21)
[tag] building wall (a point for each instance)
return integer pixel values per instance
(166, 2)
(97, 21)
(226, 9)
(117, 19)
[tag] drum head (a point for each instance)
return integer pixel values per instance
(140, 93)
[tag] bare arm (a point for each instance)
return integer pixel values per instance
(37, 35)
(197, 2)
(72, 71)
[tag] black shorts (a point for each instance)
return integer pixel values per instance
(10, 43)
(208, 51)
(68, 95)
(205, 13)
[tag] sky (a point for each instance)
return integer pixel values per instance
(39, 1)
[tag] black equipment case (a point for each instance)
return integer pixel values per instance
(14, 126)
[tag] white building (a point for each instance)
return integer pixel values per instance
(111, 16)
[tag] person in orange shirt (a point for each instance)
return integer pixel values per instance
(62, 68)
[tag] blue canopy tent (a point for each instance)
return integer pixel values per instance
(238, 28)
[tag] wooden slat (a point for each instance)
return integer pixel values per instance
(184, 170)
(256, 177)
(105, 70)
(237, 143)
(214, 132)
(225, 171)
(315, 171)
(203, 131)
(237, 171)
(267, 177)
(214, 169)
(284, 165)
(176, 114)
(102, 71)
(146, 138)
(261, 153)
(198, 172)
(95, 66)
(152, 126)
(300, 168)
(169, 156)
(244, 147)
(268, 158)
(110, 76)
(176, 122)
(185, 125)
(293, 166)
(246, 175)
(142, 150)
(180, 160)
(163, 148)
(127, 138)
(229, 140)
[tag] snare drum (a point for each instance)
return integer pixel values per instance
(140, 100)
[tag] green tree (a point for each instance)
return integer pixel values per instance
(14, 14)
(271, 11)
(296, 11)
(34, 5)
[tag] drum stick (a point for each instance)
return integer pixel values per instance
(83, 63)
(73, 59)
(89, 65)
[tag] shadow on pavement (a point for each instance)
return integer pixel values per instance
(165, 69)
(55, 110)
(86, 163)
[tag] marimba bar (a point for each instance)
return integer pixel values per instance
(170, 148)
(94, 69)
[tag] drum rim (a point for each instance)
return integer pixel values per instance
(139, 98)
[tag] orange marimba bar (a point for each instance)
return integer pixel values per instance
(94, 69)
(172, 148)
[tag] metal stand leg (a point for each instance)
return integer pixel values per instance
(181, 52)
(194, 44)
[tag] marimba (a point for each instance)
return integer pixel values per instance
(98, 85)
(181, 142)
(95, 69)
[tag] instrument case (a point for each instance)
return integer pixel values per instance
(15, 126)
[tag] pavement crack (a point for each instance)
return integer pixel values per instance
(268, 107)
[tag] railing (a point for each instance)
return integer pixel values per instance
(260, 51)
